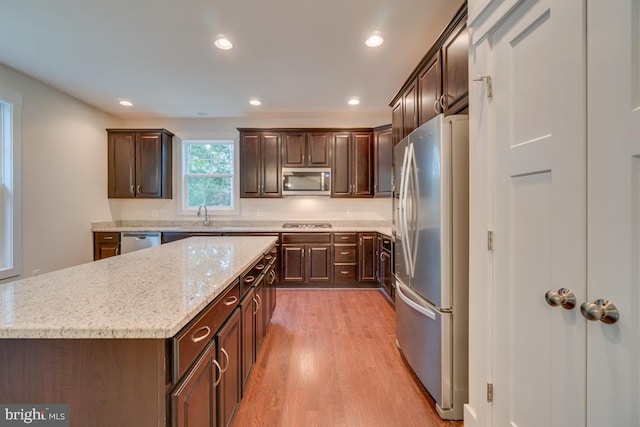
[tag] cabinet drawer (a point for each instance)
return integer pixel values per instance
(386, 242)
(189, 342)
(271, 256)
(251, 276)
(306, 238)
(344, 273)
(345, 237)
(344, 254)
(107, 237)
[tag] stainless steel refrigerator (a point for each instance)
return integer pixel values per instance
(431, 230)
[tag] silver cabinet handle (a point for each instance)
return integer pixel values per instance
(436, 103)
(231, 300)
(226, 355)
(204, 333)
(344, 271)
(344, 253)
(133, 189)
(139, 189)
(108, 238)
(602, 310)
(255, 302)
(564, 297)
(259, 301)
(215, 362)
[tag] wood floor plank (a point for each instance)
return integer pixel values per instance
(330, 359)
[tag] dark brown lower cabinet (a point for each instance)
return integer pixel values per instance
(229, 357)
(193, 402)
(385, 266)
(247, 314)
(367, 259)
(105, 245)
(260, 317)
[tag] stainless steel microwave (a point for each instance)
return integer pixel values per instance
(306, 181)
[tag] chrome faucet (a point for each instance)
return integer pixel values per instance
(206, 214)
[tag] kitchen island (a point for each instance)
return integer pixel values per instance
(122, 340)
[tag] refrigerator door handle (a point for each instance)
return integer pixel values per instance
(408, 240)
(423, 310)
(402, 223)
(415, 204)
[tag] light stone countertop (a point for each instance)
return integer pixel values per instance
(383, 227)
(151, 293)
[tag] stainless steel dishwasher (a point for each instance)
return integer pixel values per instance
(131, 241)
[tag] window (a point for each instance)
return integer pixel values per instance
(10, 202)
(208, 176)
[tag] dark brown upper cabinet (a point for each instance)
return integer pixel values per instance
(439, 84)
(430, 94)
(139, 163)
(455, 63)
(260, 167)
(382, 161)
(410, 108)
(306, 149)
(351, 173)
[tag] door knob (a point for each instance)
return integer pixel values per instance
(602, 310)
(564, 297)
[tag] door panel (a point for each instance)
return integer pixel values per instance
(538, 214)
(148, 165)
(122, 154)
(613, 352)
(271, 178)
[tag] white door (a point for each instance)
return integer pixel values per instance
(613, 357)
(539, 213)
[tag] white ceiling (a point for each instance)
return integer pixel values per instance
(297, 56)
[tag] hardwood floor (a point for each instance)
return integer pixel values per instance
(330, 359)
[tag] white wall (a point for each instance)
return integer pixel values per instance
(64, 172)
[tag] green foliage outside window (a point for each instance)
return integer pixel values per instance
(210, 174)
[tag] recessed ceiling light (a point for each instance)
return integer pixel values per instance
(126, 103)
(255, 102)
(354, 101)
(374, 40)
(223, 43)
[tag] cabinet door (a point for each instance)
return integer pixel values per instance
(383, 163)
(122, 165)
(367, 259)
(341, 171)
(318, 263)
(397, 122)
(106, 250)
(455, 57)
(538, 215)
(193, 402)
(261, 325)
(294, 152)
(293, 263)
(271, 170)
(229, 355)
(319, 149)
(148, 165)
(248, 335)
(429, 90)
(362, 161)
(409, 109)
(250, 165)
(613, 210)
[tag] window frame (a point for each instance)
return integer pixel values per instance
(10, 184)
(183, 192)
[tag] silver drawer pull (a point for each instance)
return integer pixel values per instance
(268, 256)
(344, 253)
(205, 329)
(344, 237)
(231, 300)
(215, 362)
(108, 238)
(249, 279)
(226, 355)
(344, 272)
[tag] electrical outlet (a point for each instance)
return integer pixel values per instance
(154, 213)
